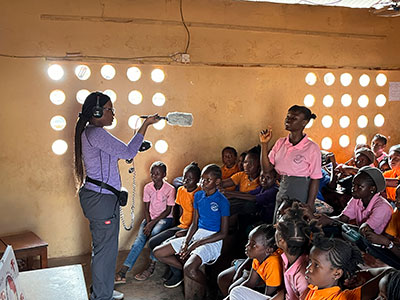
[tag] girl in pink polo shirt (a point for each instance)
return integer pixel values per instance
(367, 208)
(295, 157)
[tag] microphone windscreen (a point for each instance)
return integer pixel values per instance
(180, 119)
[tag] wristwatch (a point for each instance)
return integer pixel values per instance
(390, 246)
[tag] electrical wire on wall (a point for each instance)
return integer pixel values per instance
(77, 56)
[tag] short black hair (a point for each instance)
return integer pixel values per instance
(213, 169)
(231, 149)
(304, 110)
(381, 137)
(194, 168)
(159, 164)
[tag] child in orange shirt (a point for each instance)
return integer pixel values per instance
(230, 166)
(264, 260)
(332, 261)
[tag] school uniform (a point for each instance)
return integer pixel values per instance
(333, 293)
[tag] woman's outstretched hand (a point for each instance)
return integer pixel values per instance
(265, 135)
(152, 119)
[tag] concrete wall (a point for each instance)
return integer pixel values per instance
(248, 64)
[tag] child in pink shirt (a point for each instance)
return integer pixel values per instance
(296, 158)
(367, 208)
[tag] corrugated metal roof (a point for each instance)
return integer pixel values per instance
(344, 3)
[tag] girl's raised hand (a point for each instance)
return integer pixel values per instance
(265, 135)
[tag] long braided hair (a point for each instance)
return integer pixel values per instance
(393, 285)
(84, 117)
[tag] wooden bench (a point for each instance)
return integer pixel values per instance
(27, 245)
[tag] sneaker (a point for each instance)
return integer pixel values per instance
(167, 274)
(117, 295)
(173, 281)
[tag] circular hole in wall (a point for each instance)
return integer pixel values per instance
(59, 147)
(326, 143)
(328, 101)
(159, 125)
(364, 80)
(379, 120)
(344, 121)
(57, 97)
(344, 141)
(346, 100)
(108, 72)
(309, 100)
(363, 101)
(133, 73)
(381, 79)
(135, 97)
(327, 121)
(111, 94)
(82, 72)
(361, 139)
(158, 99)
(380, 100)
(310, 123)
(55, 72)
(135, 122)
(362, 121)
(346, 79)
(58, 123)
(161, 146)
(329, 79)
(157, 75)
(311, 78)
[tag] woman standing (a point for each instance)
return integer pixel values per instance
(295, 157)
(96, 154)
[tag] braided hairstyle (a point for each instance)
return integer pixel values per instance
(267, 232)
(341, 254)
(393, 285)
(296, 230)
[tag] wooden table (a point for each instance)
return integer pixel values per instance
(26, 245)
(61, 283)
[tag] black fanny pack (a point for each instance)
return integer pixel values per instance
(121, 195)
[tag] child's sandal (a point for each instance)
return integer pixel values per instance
(120, 278)
(146, 273)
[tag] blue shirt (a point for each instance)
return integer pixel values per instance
(211, 209)
(265, 202)
(323, 182)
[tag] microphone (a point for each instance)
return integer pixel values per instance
(177, 118)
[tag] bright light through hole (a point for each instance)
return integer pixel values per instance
(346, 100)
(310, 123)
(361, 139)
(309, 100)
(159, 125)
(135, 97)
(311, 78)
(364, 80)
(112, 126)
(362, 121)
(82, 72)
(135, 122)
(161, 146)
(328, 101)
(59, 147)
(108, 72)
(381, 79)
(133, 73)
(344, 141)
(363, 101)
(81, 96)
(344, 122)
(329, 79)
(327, 121)
(326, 143)
(111, 94)
(157, 75)
(158, 99)
(57, 97)
(345, 79)
(56, 72)
(380, 100)
(58, 123)
(379, 120)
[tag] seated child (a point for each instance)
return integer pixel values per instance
(389, 241)
(241, 160)
(363, 157)
(332, 261)
(265, 262)
(384, 164)
(230, 166)
(247, 181)
(393, 176)
(184, 198)
(378, 145)
(389, 286)
(367, 208)
(203, 242)
(158, 198)
(351, 161)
